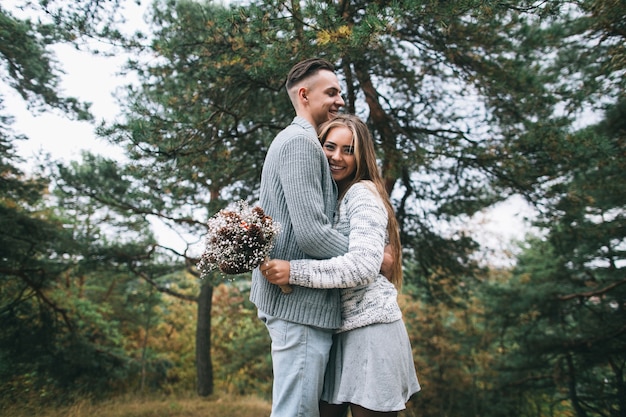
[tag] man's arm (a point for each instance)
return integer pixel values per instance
(302, 176)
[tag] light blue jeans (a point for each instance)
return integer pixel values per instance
(299, 357)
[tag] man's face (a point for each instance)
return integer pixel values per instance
(323, 96)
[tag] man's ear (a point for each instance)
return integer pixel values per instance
(303, 94)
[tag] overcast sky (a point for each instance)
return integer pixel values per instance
(89, 78)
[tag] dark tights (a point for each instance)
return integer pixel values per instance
(341, 410)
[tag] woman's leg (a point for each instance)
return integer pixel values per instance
(358, 411)
(333, 410)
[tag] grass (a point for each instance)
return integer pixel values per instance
(189, 405)
(151, 407)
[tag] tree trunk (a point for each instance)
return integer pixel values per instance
(204, 367)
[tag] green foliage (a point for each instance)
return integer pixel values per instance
(30, 69)
(241, 345)
(77, 296)
(452, 346)
(561, 316)
(67, 265)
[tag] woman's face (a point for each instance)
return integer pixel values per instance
(339, 149)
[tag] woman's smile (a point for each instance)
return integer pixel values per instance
(339, 150)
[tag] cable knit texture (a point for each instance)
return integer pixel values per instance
(297, 190)
(366, 296)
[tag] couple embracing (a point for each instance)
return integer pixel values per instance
(338, 339)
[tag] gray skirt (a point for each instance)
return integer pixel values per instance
(373, 367)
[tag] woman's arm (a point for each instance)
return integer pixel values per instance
(367, 218)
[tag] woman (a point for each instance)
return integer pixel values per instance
(371, 368)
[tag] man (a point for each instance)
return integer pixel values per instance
(297, 190)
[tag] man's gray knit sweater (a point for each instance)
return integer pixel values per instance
(297, 190)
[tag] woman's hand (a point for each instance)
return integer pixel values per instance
(276, 272)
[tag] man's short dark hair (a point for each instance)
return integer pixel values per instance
(304, 69)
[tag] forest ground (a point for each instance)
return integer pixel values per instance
(170, 406)
(184, 405)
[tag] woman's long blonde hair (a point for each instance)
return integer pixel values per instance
(367, 169)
